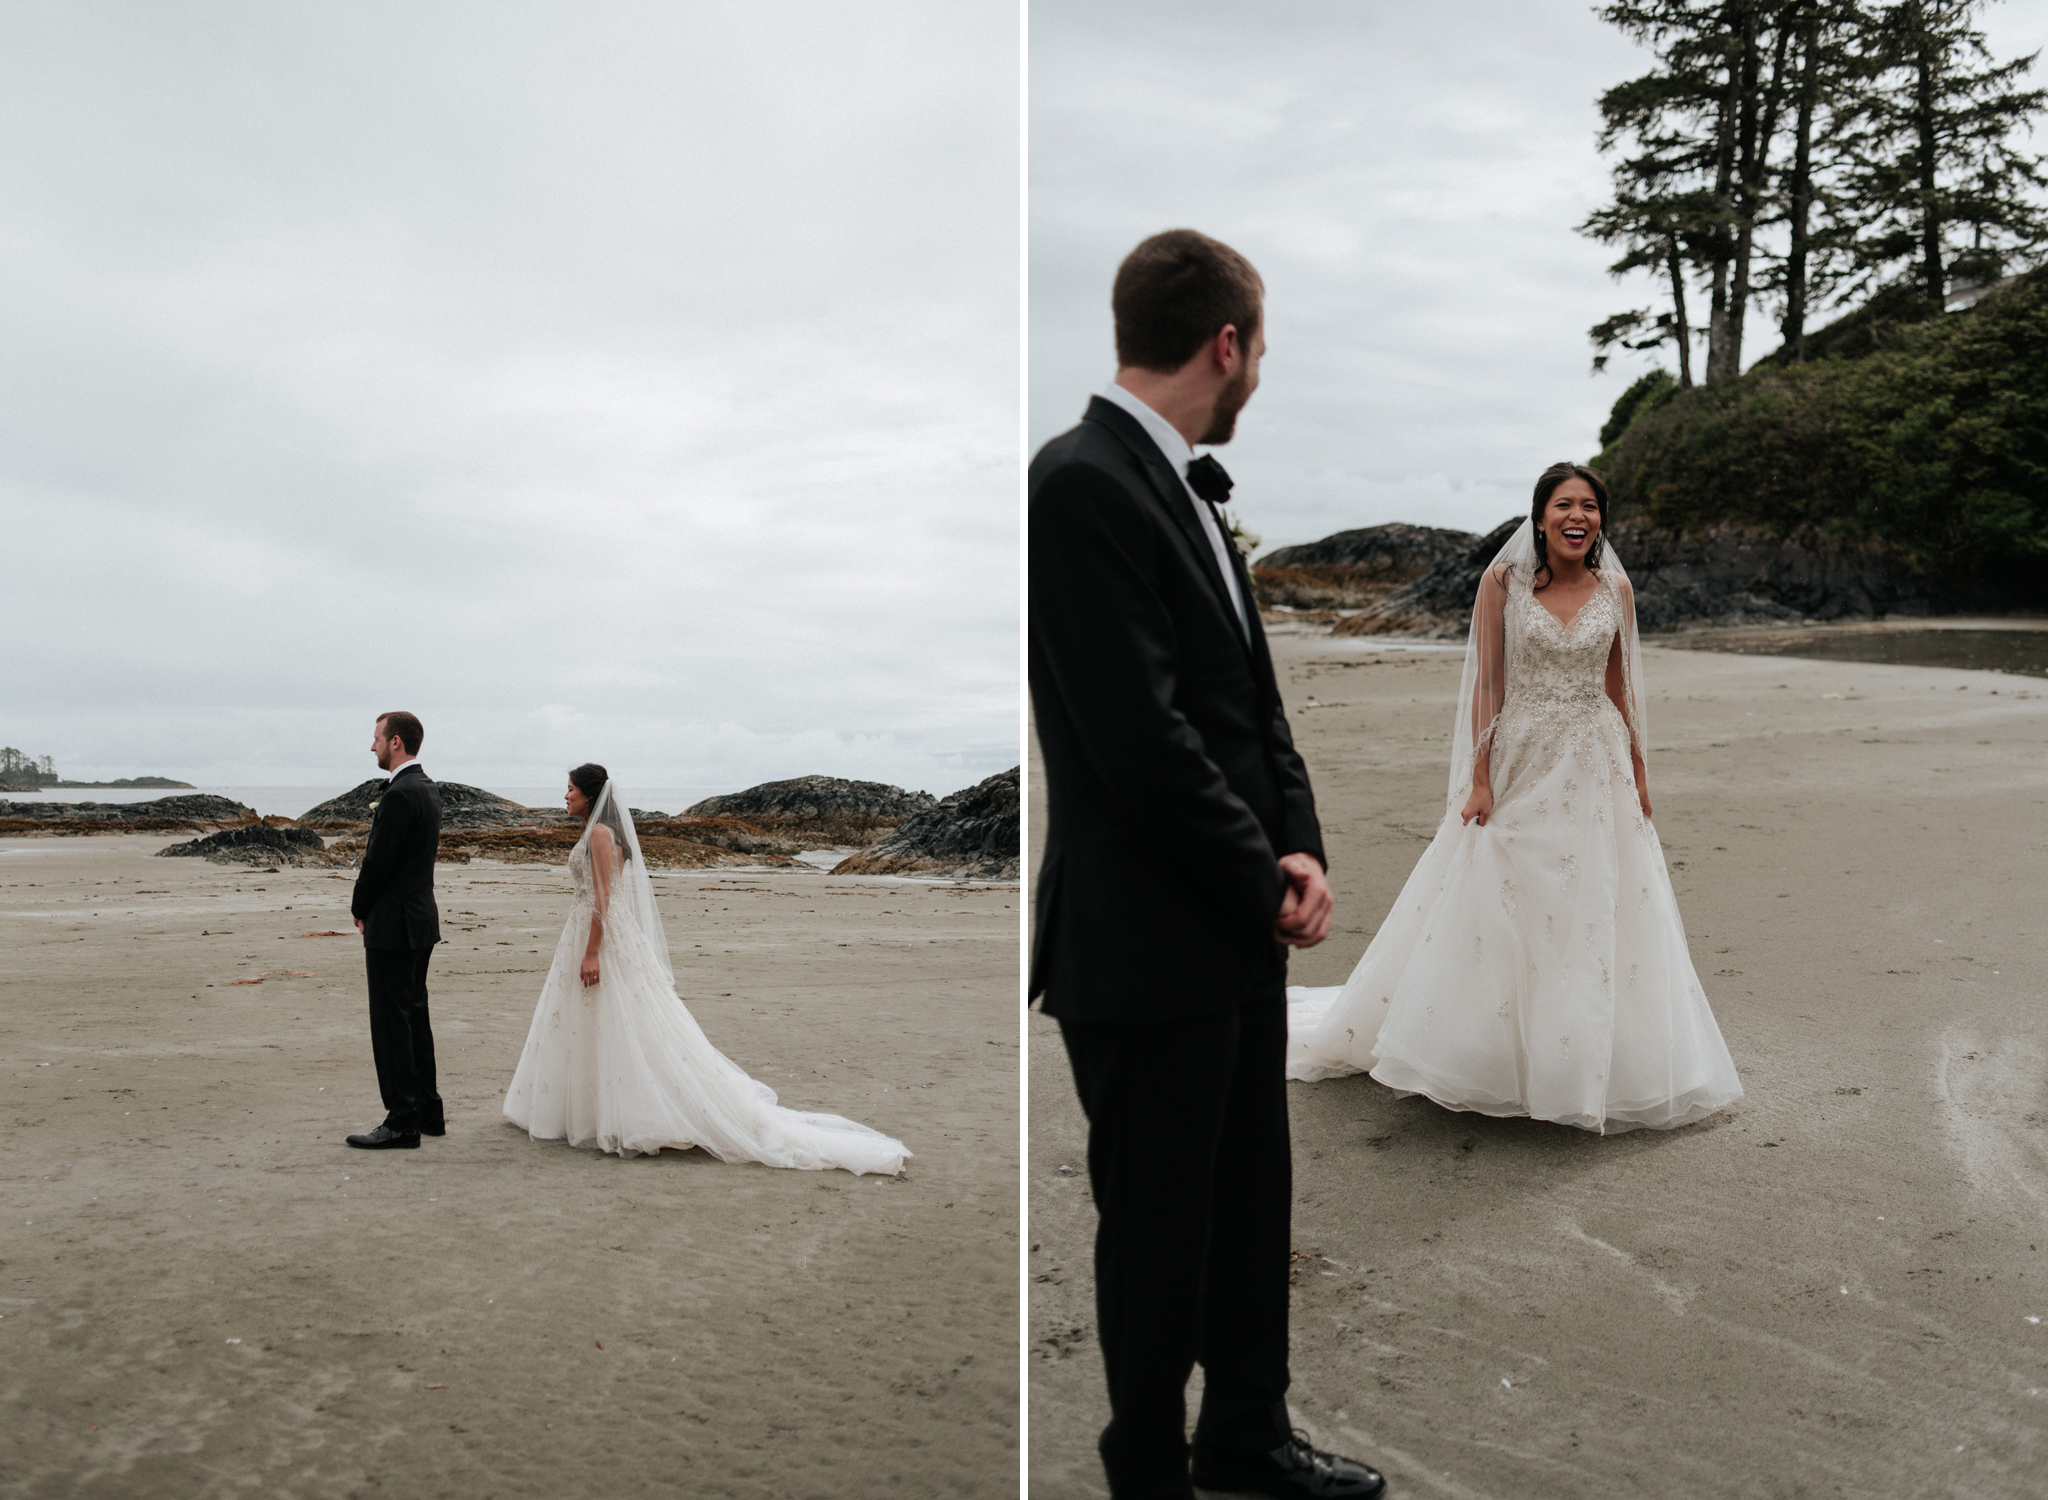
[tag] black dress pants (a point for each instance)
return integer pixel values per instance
(401, 1038)
(1189, 1164)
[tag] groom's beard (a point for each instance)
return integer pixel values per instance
(1229, 402)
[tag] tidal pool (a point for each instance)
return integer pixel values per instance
(2020, 648)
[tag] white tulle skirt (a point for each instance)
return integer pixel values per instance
(1535, 966)
(623, 1066)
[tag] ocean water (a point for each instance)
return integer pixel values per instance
(665, 799)
(293, 801)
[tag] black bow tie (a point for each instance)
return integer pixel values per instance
(1207, 478)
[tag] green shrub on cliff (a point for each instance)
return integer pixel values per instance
(1936, 444)
(1639, 400)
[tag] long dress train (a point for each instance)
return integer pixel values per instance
(624, 1066)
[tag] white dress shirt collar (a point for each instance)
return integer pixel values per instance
(1157, 428)
(407, 765)
(1180, 455)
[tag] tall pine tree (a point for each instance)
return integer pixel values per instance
(1665, 217)
(1823, 68)
(1698, 133)
(1653, 230)
(1938, 187)
(1757, 39)
(1798, 150)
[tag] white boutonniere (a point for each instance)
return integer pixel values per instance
(1245, 540)
(375, 805)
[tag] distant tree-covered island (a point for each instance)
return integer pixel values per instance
(19, 770)
(144, 781)
(26, 773)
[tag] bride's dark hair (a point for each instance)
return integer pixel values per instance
(1546, 484)
(589, 779)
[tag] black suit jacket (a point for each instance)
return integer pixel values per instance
(394, 895)
(1172, 782)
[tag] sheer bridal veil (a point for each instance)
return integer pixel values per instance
(632, 889)
(1493, 648)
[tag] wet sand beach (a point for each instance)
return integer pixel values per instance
(203, 1292)
(1829, 1289)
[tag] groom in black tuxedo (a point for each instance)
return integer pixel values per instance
(1182, 858)
(395, 912)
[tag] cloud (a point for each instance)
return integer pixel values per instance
(655, 363)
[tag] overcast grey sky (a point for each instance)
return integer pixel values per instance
(1407, 178)
(635, 382)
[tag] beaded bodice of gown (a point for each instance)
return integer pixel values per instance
(582, 889)
(1557, 673)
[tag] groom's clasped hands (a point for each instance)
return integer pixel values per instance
(1305, 908)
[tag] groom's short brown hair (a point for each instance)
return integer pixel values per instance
(1177, 291)
(411, 733)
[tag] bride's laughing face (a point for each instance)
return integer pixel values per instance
(576, 802)
(1571, 521)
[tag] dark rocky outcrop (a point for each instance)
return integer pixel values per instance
(1722, 575)
(971, 835)
(814, 812)
(352, 806)
(755, 836)
(665, 843)
(201, 813)
(472, 807)
(462, 807)
(817, 797)
(1352, 569)
(257, 845)
(764, 825)
(1438, 602)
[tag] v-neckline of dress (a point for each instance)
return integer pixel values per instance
(1564, 627)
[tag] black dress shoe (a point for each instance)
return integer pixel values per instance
(384, 1138)
(1293, 1471)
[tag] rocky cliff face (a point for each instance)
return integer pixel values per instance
(200, 813)
(971, 835)
(257, 845)
(1730, 575)
(1352, 569)
(1724, 575)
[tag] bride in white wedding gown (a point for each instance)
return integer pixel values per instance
(615, 1060)
(1535, 963)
